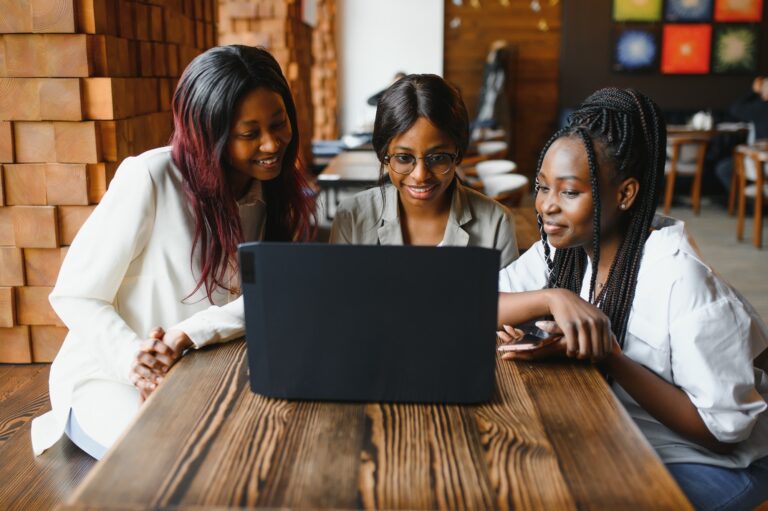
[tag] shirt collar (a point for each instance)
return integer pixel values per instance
(253, 195)
(668, 237)
(390, 232)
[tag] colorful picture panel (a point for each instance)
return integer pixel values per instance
(686, 49)
(734, 49)
(636, 49)
(688, 10)
(637, 10)
(739, 10)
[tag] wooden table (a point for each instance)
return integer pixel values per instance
(554, 438)
(348, 169)
(351, 168)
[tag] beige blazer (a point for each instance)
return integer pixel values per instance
(474, 221)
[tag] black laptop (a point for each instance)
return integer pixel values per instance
(370, 323)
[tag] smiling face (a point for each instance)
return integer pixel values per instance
(564, 197)
(422, 188)
(258, 138)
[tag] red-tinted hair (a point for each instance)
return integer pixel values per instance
(203, 109)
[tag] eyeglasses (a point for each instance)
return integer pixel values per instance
(404, 163)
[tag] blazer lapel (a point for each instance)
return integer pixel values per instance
(460, 214)
(389, 230)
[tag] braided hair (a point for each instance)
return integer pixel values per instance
(628, 129)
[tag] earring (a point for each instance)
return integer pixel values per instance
(623, 206)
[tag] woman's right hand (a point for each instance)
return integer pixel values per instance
(586, 329)
(156, 356)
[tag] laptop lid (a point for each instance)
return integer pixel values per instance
(370, 323)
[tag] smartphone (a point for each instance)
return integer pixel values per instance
(533, 338)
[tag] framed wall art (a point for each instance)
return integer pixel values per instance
(686, 49)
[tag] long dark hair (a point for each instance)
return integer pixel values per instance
(203, 109)
(422, 95)
(628, 129)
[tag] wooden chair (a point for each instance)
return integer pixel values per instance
(749, 165)
(734, 188)
(477, 154)
(687, 159)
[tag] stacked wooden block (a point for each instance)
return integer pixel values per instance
(277, 26)
(83, 84)
(324, 72)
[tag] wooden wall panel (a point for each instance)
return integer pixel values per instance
(469, 33)
(277, 25)
(83, 85)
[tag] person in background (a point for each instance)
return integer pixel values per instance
(420, 136)
(160, 248)
(374, 99)
(751, 108)
(628, 289)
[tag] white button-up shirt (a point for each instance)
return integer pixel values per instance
(692, 329)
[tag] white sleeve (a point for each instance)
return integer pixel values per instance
(93, 270)
(215, 324)
(712, 349)
(526, 273)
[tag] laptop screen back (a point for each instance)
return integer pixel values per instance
(370, 323)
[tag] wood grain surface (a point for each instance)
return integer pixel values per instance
(29, 482)
(554, 437)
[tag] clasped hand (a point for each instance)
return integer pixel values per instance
(156, 356)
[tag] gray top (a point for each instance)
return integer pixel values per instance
(368, 218)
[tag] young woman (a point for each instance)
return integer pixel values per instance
(160, 248)
(628, 288)
(420, 134)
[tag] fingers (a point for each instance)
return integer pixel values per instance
(609, 340)
(571, 336)
(551, 327)
(156, 333)
(509, 334)
(145, 372)
(514, 333)
(532, 355)
(596, 335)
(158, 363)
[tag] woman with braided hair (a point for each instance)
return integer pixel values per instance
(628, 289)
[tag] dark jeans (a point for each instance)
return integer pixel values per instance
(724, 171)
(716, 488)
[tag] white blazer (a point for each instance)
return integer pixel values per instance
(130, 269)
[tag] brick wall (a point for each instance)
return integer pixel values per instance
(83, 84)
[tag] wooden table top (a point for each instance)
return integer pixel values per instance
(351, 168)
(554, 437)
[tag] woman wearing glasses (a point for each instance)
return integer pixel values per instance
(420, 134)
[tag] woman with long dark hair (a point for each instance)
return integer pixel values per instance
(629, 289)
(160, 248)
(420, 135)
